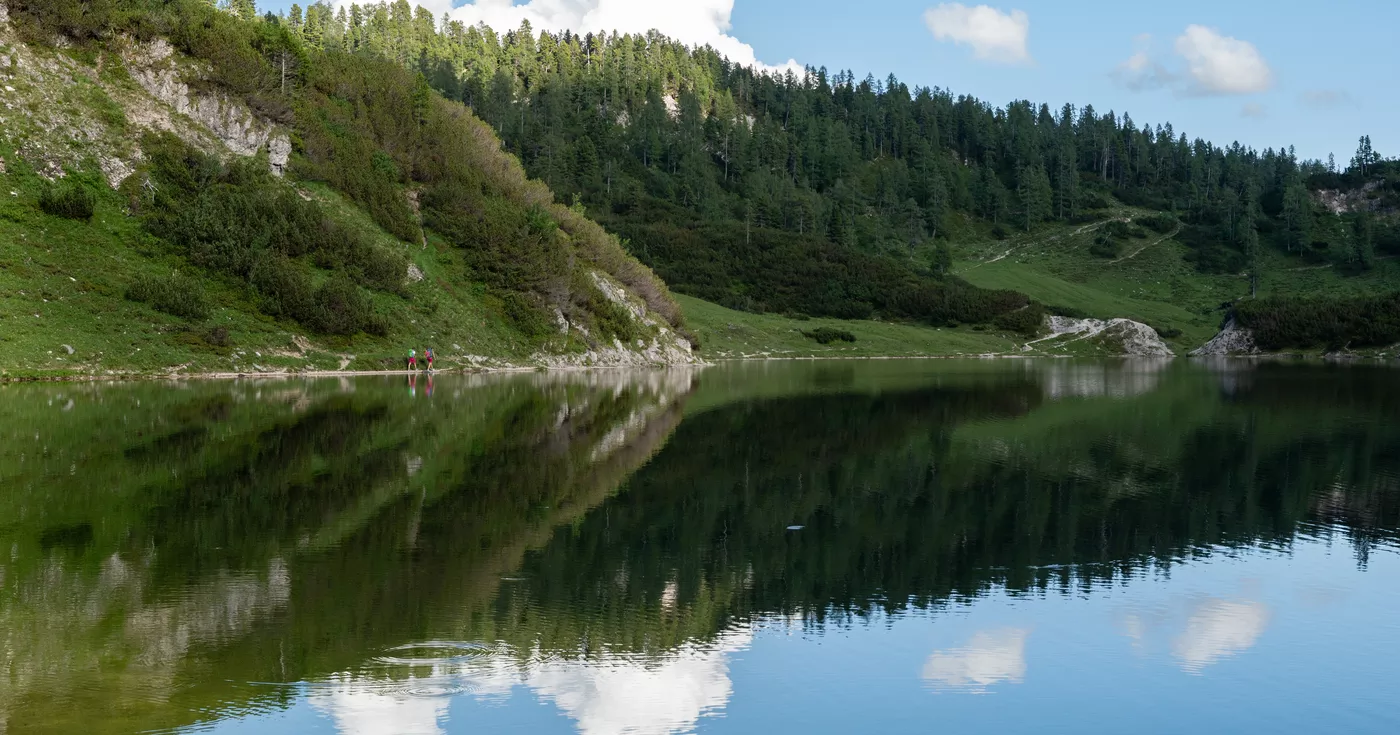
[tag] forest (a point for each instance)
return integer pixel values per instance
(829, 194)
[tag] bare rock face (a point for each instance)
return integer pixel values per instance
(1232, 340)
(155, 68)
(664, 347)
(1129, 337)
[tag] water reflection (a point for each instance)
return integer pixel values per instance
(989, 657)
(608, 545)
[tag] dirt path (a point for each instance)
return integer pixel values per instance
(1031, 243)
(1137, 252)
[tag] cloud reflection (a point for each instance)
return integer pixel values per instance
(989, 657)
(610, 697)
(1219, 629)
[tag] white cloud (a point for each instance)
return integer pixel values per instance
(990, 657)
(1221, 64)
(993, 35)
(1219, 629)
(693, 22)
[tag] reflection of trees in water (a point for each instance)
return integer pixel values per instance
(896, 512)
(278, 532)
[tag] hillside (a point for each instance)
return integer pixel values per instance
(829, 195)
(190, 192)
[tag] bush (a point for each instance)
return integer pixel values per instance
(1331, 323)
(1028, 320)
(173, 294)
(1105, 247)
(527, 314)
(284, 290)
(1159, 223)
(341, 308)
(68, 199)
(827, 335)
(1067, 312)
(1168, 332)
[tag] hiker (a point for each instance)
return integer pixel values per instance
(428, 356)
(412, 360)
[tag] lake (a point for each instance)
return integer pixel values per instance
(821, 547)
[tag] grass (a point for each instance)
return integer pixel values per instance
(728, 334)
(1156, 286)
(63, 284)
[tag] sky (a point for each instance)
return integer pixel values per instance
(1266, 74)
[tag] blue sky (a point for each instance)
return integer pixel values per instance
(1268, 74)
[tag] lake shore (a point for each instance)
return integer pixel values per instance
(134, 376)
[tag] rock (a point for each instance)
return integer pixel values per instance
(1131, 338)
(279, 151)
(1232, 340)
(415, 274)
(68, 349)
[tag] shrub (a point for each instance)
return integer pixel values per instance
(1332, 323)
(68, 199)
(1105, 247)
(1159, 223)
(284, 290)
(527, 314)
(1067, 312)
(341, 308)
(1027, 320)
(1168, 332)
(173, 294)
(828, 335)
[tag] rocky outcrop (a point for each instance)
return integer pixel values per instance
(1123, 336)
(155, 68)
(1232, 340)
(663, 347)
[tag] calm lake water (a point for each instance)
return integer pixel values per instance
(991, 546)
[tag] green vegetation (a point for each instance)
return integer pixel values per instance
(400, 223)
(828, 195)
(70, 199)
(1336, 323)
(728, 334)
(827, 335)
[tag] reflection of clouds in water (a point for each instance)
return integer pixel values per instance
(360, 709)
(989, 657)
(1219, 629)
(1085, 380)
(621, 695)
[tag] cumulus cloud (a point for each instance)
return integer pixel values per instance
(1219, 629)
(693, 22)
(1220, 64)
(1327, 99)
(989, 657)
(994, 35)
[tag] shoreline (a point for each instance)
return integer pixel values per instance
(288, 374)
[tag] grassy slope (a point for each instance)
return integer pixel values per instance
(728, 334)
(63, 283)
(1156, 285)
